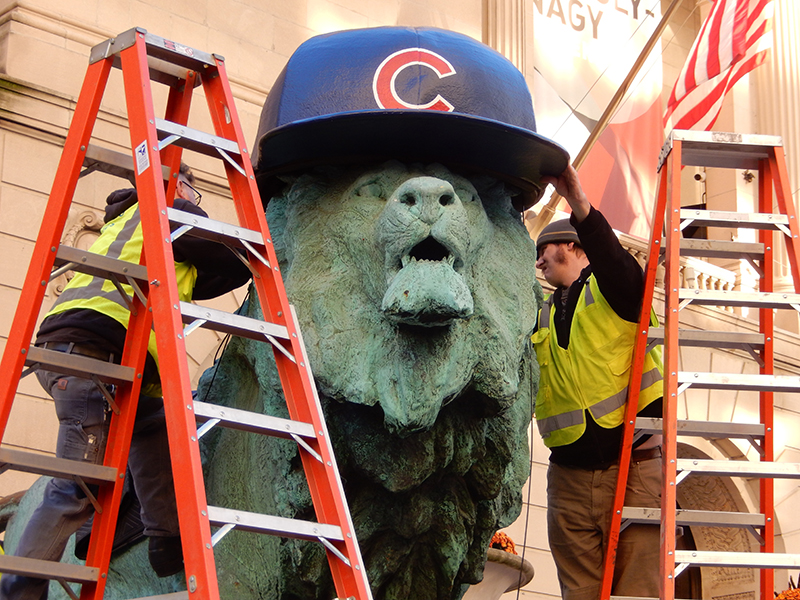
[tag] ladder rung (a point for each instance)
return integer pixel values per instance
(47, 569)
(174, 596)
(721, 149)
(740, 468)
(112, 162)
(706, 429)
(706, 518)
(80, 366)
(622, 598)
(751, 299)
(710, 339)
(219, 320)
(718, 249)
(209, 229)
(243, 420)
(99, 265)
(753, 560)
(51, 466)
(175, 53)
(197, 141)
(272, 525)
(719, 218)
(739, 382)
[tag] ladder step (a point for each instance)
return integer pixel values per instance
(719, 218)
(225, 322)
(80, 366)
(217, 231)
(751, 299)
(242, 420)
(192, 139)
(711, 339)
(99, 265)
(721, 149)
(168, 60)
(706, 429)
(112, 162)
(739, 382)
(42, 464)
(706, 518)
(46, 569)
(753, 560)
(272, 525)
(740, 468)
(718, 249)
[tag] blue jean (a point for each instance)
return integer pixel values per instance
(84, 416)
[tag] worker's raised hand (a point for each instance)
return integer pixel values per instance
(568, 185)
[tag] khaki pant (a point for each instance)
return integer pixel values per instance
(579, 505)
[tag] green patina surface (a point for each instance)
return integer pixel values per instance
(416, 312)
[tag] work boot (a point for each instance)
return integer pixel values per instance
(166, 555)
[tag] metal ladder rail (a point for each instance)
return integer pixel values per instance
(322, 475)
(315, 449)
(769, 160)
(323, 478)
(637, 367)
(32, 295)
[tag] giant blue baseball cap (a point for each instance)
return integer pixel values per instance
(408, 93)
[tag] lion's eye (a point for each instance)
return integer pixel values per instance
(370, 190)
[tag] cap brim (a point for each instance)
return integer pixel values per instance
(459, 141)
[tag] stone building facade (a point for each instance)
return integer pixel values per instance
(44, 46)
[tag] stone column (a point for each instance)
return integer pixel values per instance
(778, 101)
(504, 23)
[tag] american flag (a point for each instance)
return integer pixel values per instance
(733, 40)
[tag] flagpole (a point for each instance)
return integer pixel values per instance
(546, 214)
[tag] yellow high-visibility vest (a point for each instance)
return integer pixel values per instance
(593, 373)
(121, 239)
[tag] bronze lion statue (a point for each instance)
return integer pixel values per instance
(415, 299)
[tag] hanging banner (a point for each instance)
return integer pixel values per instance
(583, 50)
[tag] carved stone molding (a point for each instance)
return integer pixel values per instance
(78, 31)
(81, 232)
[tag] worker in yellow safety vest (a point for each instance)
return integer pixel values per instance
(584, 341)
(90, 318)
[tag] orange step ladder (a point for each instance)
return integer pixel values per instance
(763, 154)
(157, 145)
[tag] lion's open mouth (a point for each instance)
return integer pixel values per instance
(427, 290)
(431, 250)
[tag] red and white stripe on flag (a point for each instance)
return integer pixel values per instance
(733, 40)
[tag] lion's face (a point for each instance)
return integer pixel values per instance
(431, 230)
(412, 284)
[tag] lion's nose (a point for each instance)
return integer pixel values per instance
(427, 197)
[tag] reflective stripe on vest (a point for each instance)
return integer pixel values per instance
(77, 290)
(587, 292)
(544, 314)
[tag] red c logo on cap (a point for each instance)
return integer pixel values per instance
(383, 84)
